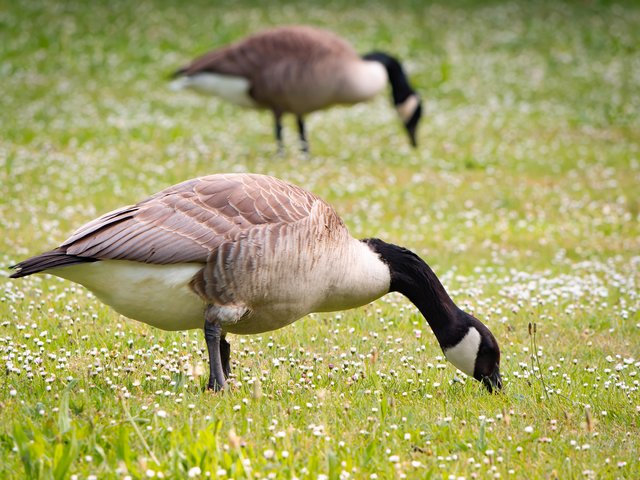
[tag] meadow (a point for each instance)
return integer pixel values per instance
(523, 196)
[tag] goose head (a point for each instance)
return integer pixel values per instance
(410, 112)
(471, 348)
(405, 99)
(465, 341)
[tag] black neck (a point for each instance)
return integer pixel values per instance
(412, 277)
(400, 88)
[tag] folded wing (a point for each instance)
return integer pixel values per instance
(184, 223)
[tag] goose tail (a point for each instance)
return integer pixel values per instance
(46, 261)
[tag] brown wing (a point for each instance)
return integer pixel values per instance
(189, 221)
(254, 54)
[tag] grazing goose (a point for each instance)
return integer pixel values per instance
(299, 69)
(246, 253)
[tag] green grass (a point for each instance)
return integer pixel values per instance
(523, 196)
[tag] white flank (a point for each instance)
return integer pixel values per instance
(464, 354)
(230, 88)
(405, 109)
(158, 295)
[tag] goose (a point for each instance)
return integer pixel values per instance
(246, 254)
(299, 69)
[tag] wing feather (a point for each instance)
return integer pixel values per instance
(190, 221)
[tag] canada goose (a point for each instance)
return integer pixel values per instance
(299, 69)
(246, 253)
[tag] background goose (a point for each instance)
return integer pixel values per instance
(245, 253)
(299, 69)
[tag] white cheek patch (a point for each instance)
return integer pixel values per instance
(406, 108)
(464, 354)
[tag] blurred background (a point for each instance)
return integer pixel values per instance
(525, 102)
(522, 194)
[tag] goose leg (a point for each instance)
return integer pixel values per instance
(225, 353)
(278, 122)
(304, 145)
(213, 335)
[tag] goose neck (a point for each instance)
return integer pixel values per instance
(412, 277)
(400, 88)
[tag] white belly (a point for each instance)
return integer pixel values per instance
(233, 89)
(158, 295)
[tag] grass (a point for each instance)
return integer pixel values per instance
(523, 196)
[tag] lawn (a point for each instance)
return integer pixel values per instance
(523, 196)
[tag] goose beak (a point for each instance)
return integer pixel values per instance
(493, 382)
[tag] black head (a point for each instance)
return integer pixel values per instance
(412, 123)
(473, 349)
(487, 368)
